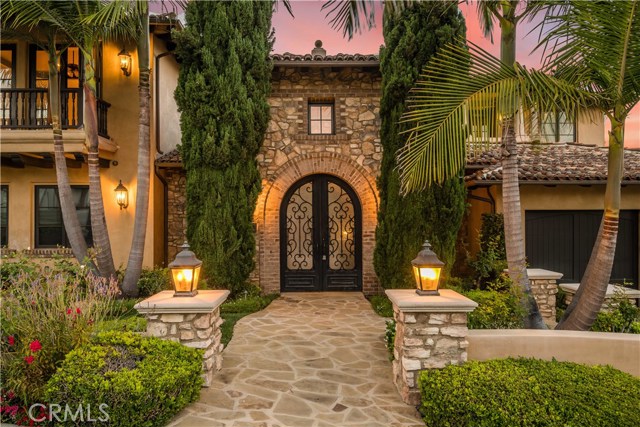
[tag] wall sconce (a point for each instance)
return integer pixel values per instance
(125, 62)
(122, 195)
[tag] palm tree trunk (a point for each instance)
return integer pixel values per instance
(98, 222)
(587, 301)
(136, 255)
(514, 241)
(67, 205)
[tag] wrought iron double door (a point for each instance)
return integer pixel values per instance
(320, 237)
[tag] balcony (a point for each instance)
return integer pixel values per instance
(27, 109)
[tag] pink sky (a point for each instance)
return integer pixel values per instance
(297, 35)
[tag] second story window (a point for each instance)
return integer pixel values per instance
(8, 66)
(321, 118)
(557, 128)
(49, 227)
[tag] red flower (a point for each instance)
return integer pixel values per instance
(29, 359)
(12, 340)
(69, 311)
(78, 310)
(35, 346)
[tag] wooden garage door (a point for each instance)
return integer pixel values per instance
(562, 241)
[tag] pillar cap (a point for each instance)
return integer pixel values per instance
(447, 302)
(206, 301)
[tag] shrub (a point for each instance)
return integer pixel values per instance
(42, 320)
(381, 305)
(11, 269)
(491, 259)
(390, 338)
(620, 316)
(496, 310)
(144, 381)
(153, 281)
(528, 392)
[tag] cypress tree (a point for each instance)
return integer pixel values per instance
(222, 95)
(411, 39)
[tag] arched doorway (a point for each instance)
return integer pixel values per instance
(320, 236)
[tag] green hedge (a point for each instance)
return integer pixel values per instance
(496, 310)
(144, 381)
(529, 392)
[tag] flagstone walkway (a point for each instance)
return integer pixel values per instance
(309, 359)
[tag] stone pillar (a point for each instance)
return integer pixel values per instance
(544, 285)
(431, 333)
(192, 321)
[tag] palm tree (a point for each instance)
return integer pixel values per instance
(70, 21)
(347, 16)
(19, 15)
(598, 44)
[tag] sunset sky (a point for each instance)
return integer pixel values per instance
(297, 35)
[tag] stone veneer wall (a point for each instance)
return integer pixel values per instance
(192, 330)
(289, 153)
(544, 291)
(176, 211)
(426, 341)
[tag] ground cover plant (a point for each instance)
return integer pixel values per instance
(529, 392)
(143, 381)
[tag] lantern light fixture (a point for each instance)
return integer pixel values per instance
(426, 270)
(125, 62)
(185, 272)
(122, 196)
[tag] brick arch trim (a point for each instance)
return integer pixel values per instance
(267, 215)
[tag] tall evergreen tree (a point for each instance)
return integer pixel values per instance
(411, 38)
(222, 94)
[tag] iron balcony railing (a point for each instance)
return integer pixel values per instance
(29, 109)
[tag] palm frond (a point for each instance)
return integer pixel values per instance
(347, 15)
(465, 92)
(487, 11)
(603, 37)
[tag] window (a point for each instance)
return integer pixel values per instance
(557, 128)
(8, 66)
(321, 118)
(70, 68)
(7, 79)
(49, 230)
(4, 215)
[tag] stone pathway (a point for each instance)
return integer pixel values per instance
(309, 359)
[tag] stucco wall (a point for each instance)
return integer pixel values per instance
(622, 351)
(541, 197)
(122, 93)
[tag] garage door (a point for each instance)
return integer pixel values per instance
(562, 241)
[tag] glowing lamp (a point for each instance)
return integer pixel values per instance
(125, 62)
(122, 196)
(185, 272)
(426, 269)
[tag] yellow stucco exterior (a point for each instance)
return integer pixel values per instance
(120, 150)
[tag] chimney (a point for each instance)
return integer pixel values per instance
(318, 50)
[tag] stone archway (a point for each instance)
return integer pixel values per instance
(267, 214)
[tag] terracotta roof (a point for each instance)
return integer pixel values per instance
(318, 56)
(556, 163)
(305, 59)
(170, 158)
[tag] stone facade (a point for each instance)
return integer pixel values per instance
(191, 321)
(544, 286)
(431, 333)
(352, 153)
(176, 211)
